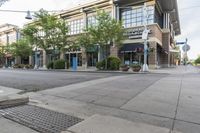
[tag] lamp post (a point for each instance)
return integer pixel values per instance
(145, 38)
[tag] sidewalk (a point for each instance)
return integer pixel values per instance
(156, 102)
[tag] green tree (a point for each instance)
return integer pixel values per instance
(106, 32)
(47, 32)
(197, 61)
(21, 48)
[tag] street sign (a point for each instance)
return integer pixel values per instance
(180, 43)
(186, 48)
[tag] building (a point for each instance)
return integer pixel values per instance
(8, 34)
(163, 22)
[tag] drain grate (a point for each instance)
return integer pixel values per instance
(40, 119)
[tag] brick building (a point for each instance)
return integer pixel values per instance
(8, 34)
(163, 22)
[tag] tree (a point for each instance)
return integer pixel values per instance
(106, 32)
(47, 32)
(197, 61)
(21, 48)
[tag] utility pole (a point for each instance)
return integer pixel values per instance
(145, 38)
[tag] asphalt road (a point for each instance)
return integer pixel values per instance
(40, 80)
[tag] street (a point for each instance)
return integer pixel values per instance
(40, 80)
(166, 98)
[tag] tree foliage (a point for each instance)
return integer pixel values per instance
(47, 32)
(104, 33)
(107, 29)
(21, 48)
(197, 61)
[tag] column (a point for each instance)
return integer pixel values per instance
(30, 60)
(44, 59)
(84, 58)
(166, 20)
(114, 51)
(153, 55)
(62, 54)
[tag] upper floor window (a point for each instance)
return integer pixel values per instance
(75, 26)
(134, 17)
(91, 20)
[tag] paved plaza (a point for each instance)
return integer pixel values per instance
(166, 98)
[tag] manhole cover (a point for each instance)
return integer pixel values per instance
(40, 119)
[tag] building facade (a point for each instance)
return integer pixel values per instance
(163, 23)
(8, 34)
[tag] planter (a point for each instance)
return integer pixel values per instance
(136, 69)
(125, 69)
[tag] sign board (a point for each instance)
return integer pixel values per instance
(135, 33)
(186, 48)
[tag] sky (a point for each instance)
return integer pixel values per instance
(189, 11)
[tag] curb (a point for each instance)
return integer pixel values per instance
(13, 100)
(85, 71)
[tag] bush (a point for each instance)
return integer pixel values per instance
(197, 61)
(28, 66)
(59, 64)
(50, 65)
(100, 65)
(113, 63)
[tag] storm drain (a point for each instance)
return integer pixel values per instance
(40, 119)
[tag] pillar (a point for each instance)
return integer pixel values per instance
(114, 51)
(30, 60)
(44, 59)
(62, 54)
(152, 56)
(84, 58)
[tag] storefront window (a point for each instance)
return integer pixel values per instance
(134, 17)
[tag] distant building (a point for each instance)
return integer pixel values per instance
(8, 34)
(163, 23)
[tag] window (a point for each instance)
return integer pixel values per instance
(134, 17)
(91, 20)
(75, 26)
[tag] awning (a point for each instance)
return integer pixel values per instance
(132, 48)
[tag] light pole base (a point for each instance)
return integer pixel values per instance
(145, 68)
(35, 67)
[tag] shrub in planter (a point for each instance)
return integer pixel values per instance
(50, 65)
(28, 66)
(16, 66)
(136, 67)
(100, 65)
(59, 64)
(113, 63)
(21, 66)
(124, 67)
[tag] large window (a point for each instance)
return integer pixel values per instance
(91, 20)
(75, 26)
(134, 17)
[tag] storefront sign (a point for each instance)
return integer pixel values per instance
(135, 33)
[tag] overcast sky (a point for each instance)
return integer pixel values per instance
(189, 11)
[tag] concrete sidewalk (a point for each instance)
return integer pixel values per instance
(110, 124)
(161, 100)
(144, 103)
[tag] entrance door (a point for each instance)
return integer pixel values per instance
(92, 58)
(69, 58)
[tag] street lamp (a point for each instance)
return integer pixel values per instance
(145, 38)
